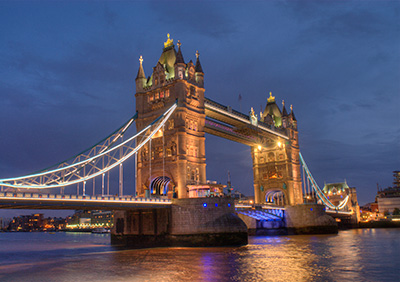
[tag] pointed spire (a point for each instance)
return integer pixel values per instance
(140, 73)
(271, 98)
(198, 67)
(284, 112)
(179, 56)
(169, 42)
(292, 113)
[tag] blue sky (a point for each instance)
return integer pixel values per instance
(67, 73)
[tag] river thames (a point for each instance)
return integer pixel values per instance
(352, 255)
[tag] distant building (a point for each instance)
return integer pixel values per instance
(4, 222)
(32, 222)
(102, 218)
(344, 197)
(83, 219)
(389, 199)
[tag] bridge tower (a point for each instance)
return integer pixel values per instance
(276, 164)
(175, 157)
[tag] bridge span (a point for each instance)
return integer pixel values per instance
(10, 200)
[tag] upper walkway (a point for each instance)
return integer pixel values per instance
(228, 123)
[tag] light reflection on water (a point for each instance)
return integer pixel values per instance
(354, 255)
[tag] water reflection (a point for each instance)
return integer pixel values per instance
(355, 255)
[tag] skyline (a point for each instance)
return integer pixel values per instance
(68, 78)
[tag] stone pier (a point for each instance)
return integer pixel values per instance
(191, 222)
(309, 219)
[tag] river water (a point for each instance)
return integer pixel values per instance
(352, 255)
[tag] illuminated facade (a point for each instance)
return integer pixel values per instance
(175, 157)
(276, 164)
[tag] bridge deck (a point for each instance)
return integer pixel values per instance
(10, 200)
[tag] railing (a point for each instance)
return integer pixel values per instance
(105, 198)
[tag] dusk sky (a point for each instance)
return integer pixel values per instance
(67, 78)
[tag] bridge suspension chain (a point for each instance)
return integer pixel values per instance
(95, 161)
(317, 190)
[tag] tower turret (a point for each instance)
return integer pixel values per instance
(180, 65)
(141, 77)
(273, 110)
(284, 115)
(199, 71)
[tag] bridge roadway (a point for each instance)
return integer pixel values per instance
(24, 200)
(27, 200)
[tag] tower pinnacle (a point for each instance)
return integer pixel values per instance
(271, 98)
(169, 42)
(140, 73)
(198, 67)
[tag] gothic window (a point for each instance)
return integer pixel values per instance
(169, 152)
(261, 159)
(171, 124)
(187, 149)
(188, 172)
(187, 123)
(281, 157)
(167, 93)
(195, 126)
(156, 80)
(151, 97)
(157, 95)
(271, 157)
(192, 91)
(191, 124)
(152, 154)
(197, 175)
(193, 175)
(162, 94)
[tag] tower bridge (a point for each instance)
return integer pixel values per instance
(172, 117)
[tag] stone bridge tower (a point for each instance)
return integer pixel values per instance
(276, 164)
(177, 159)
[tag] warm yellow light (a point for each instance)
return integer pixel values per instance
(279, 144)
(251, 202)
(259, 147)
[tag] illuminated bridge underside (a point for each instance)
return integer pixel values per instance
(10, 200)
(227, 123)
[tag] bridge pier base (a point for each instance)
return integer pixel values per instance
(193, 222)
(309, 219)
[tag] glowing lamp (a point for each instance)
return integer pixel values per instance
(259, 147)
(279, 144)
(216, 205)
(205, 205)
